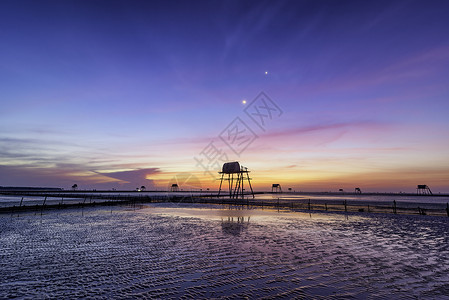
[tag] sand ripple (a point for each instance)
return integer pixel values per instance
(118, 253)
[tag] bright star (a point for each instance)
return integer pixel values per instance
(244, 101)
(266, 72)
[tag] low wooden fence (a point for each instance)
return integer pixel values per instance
(87, 200)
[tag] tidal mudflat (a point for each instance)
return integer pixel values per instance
(206, 251)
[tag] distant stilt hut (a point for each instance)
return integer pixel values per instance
(357, 190)
(174, 187)
(423, 189)
(236, 176)
(276, 188)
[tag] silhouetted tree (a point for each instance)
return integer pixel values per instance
(74, 187)
(143, 188)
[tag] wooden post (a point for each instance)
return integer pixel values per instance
(309, 204)
(394, 206)
(45, 200)
(368, 208)
(325, 204)
(346, 208)
(21, 201)
(447, 209)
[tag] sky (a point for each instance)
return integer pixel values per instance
(313, 95)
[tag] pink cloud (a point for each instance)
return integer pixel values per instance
(335, 128)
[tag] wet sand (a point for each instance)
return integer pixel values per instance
(211, 251)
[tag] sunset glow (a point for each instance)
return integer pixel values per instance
(137, 93)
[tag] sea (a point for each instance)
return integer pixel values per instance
(435, 202)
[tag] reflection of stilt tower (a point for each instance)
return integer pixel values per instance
(236, 176)
(174, 187)
(276, 188)
(234, 226)
(423, 189)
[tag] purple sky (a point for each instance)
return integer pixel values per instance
(119, 94)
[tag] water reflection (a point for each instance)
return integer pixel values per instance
(234, 225)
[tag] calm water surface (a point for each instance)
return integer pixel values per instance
(404, 200)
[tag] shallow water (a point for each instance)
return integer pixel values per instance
(403, 200)
(207, 251)
(9, 201)
(360, 199)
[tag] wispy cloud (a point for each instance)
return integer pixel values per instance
(28, 175)
(64, 175)
(322, 128)
(413, 67)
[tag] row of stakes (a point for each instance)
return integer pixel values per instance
(421, 211)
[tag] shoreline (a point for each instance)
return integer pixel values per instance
(56, 201)
(40, 191)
